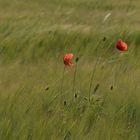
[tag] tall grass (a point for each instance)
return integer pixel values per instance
(34, 35)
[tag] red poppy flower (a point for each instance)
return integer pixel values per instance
(67, 58)
(120, 45)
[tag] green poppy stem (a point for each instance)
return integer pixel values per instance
(61, 87)
(74, 78)
(92, 77)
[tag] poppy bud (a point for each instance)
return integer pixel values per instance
(104, 39)
(47, 88)
(96, 88)
(75, 95)
(111, 87)
(77, 59)
(65, 103)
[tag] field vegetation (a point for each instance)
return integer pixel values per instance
(40, 98)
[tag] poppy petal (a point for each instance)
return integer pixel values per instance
(120, 45)
(67, 58)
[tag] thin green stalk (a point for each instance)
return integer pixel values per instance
(92, 77)
(61, 87)
(74, 78)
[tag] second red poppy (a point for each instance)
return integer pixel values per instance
(67, 58)
(120, 45)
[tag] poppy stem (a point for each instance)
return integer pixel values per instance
(74, 78)
(92, 76)
(61, 87)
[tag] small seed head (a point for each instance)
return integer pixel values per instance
(111, 87)
(47, 88)
(96, 88)
(65, 103)
(104, 39)
(77, 59)
(75, 95)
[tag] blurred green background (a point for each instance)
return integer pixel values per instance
(35, 104)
